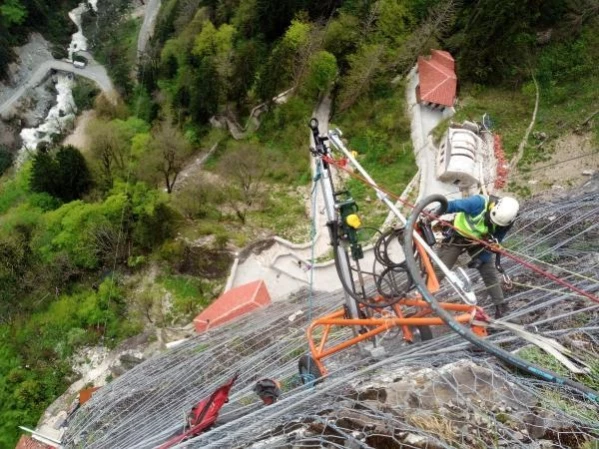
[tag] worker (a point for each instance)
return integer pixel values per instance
(481, 217)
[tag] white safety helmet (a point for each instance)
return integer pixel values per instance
(504, 212)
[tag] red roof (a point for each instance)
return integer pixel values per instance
(29, 443)
(233, 304)
(444, 58)
(438, 81)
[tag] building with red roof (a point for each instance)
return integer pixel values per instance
(29, 443)
(233, 304)
(438, 82)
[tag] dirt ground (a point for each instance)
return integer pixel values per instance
(78, 138)
(572, 155)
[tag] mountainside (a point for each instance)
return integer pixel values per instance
(439, 393)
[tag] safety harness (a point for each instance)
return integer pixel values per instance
(477, 227)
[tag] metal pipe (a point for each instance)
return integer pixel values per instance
(467, 296)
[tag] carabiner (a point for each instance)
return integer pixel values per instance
(507, 281)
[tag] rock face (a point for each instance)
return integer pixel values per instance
(34, 104)
(461, 404)
(461, 381)
(29, 56)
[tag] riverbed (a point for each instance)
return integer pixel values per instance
(61, 116)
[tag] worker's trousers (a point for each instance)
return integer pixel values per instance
(449, 254)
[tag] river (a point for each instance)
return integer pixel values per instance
(62, 115)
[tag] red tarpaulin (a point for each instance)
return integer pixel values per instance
(203, 414)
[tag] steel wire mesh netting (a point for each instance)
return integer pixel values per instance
(435, 394)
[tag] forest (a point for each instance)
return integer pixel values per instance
(18, 18)
(91, 240)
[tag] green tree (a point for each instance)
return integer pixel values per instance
(274, 16)
(64, 175)
(301, 40)
(116, 58)
(165, 25)
(394, 21)
(18, 264)
(245, 168)
(494, 40)
(342, 36)
(322, 72)
(365, 65)
(203, 97)
(248, 56)
(273, 75)
(44, 173)
(214, 48)
(145, 108)
(288, 63)
(109, 148)
(245, 18)
(12, 12)
(6, 53)
(167, 153)
(74, 179)
(169, 66)
(428, 34)
(6, 159)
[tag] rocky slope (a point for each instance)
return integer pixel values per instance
(435, 394)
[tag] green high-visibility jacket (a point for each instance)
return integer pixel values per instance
(473, 226)
(470, 220)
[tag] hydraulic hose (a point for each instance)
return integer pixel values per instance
(348, 288)
(466, 333)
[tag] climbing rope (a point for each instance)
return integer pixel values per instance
(122, 218)
(313, 235)
(556, 267)
(544, 289)
(307, 378)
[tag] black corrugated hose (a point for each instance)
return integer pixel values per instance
(464, 332)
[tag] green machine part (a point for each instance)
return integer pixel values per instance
(350, 223)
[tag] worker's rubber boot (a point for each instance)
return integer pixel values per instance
(501, 310)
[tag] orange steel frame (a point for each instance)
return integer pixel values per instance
(398, 319)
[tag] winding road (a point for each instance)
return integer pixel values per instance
(284, 266)
(93, 71)
(147, 26)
